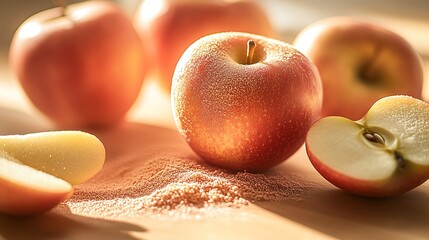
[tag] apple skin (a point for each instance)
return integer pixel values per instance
(388, 111)
(375, 189)
(84, 69)
(359, 62)
(244, 117)
(21, 200)
(28, 191)
(168, 27)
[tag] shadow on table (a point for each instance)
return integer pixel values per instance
(345, 216)
(56, 226)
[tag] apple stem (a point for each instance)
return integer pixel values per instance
(61, 4)
(251, 45)
(367, 72)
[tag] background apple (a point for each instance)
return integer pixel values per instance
(244, 105)
(81, 65)
(168, 27)
(359, 62)
(383, 154)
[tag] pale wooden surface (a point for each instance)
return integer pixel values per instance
(324, 212)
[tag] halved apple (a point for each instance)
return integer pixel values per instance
(386, 153)
(37, 170)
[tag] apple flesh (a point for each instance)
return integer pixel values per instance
(359, 62)
(81, 66)
(383, 154)
(37, 171)
(168, 27)
(74, 156)
(243, 101)
(24, 190)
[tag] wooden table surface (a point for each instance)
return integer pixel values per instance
(322, 212)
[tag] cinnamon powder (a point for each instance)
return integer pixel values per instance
(165, 178)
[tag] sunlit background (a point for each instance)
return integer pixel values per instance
(408, 18)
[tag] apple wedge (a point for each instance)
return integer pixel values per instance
(25, 190)
(38, 170)
(73, 156)
(384, 154)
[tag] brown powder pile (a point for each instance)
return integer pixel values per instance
(160, 176)
(179, 186)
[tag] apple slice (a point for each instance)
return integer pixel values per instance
(37, 170)
(73, 156)
(25, 190)
(386, 153)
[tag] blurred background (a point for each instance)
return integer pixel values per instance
(408, 18)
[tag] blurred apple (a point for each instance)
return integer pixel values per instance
(81, 65)
(243, 101)
(168, 27)
(359, 62)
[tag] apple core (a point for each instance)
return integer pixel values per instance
(383, 139)
(379, 137)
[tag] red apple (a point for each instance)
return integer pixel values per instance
(168, 27)
(244, 108)
(83, 67)
(359, 62)
(383, 154)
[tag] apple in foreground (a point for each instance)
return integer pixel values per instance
(81, 65)
(359, 62)
(243, 101)
(168, 27)
(38, 171)
(383, 154)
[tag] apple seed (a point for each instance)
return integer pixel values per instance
(374, 137)
(379, 139)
